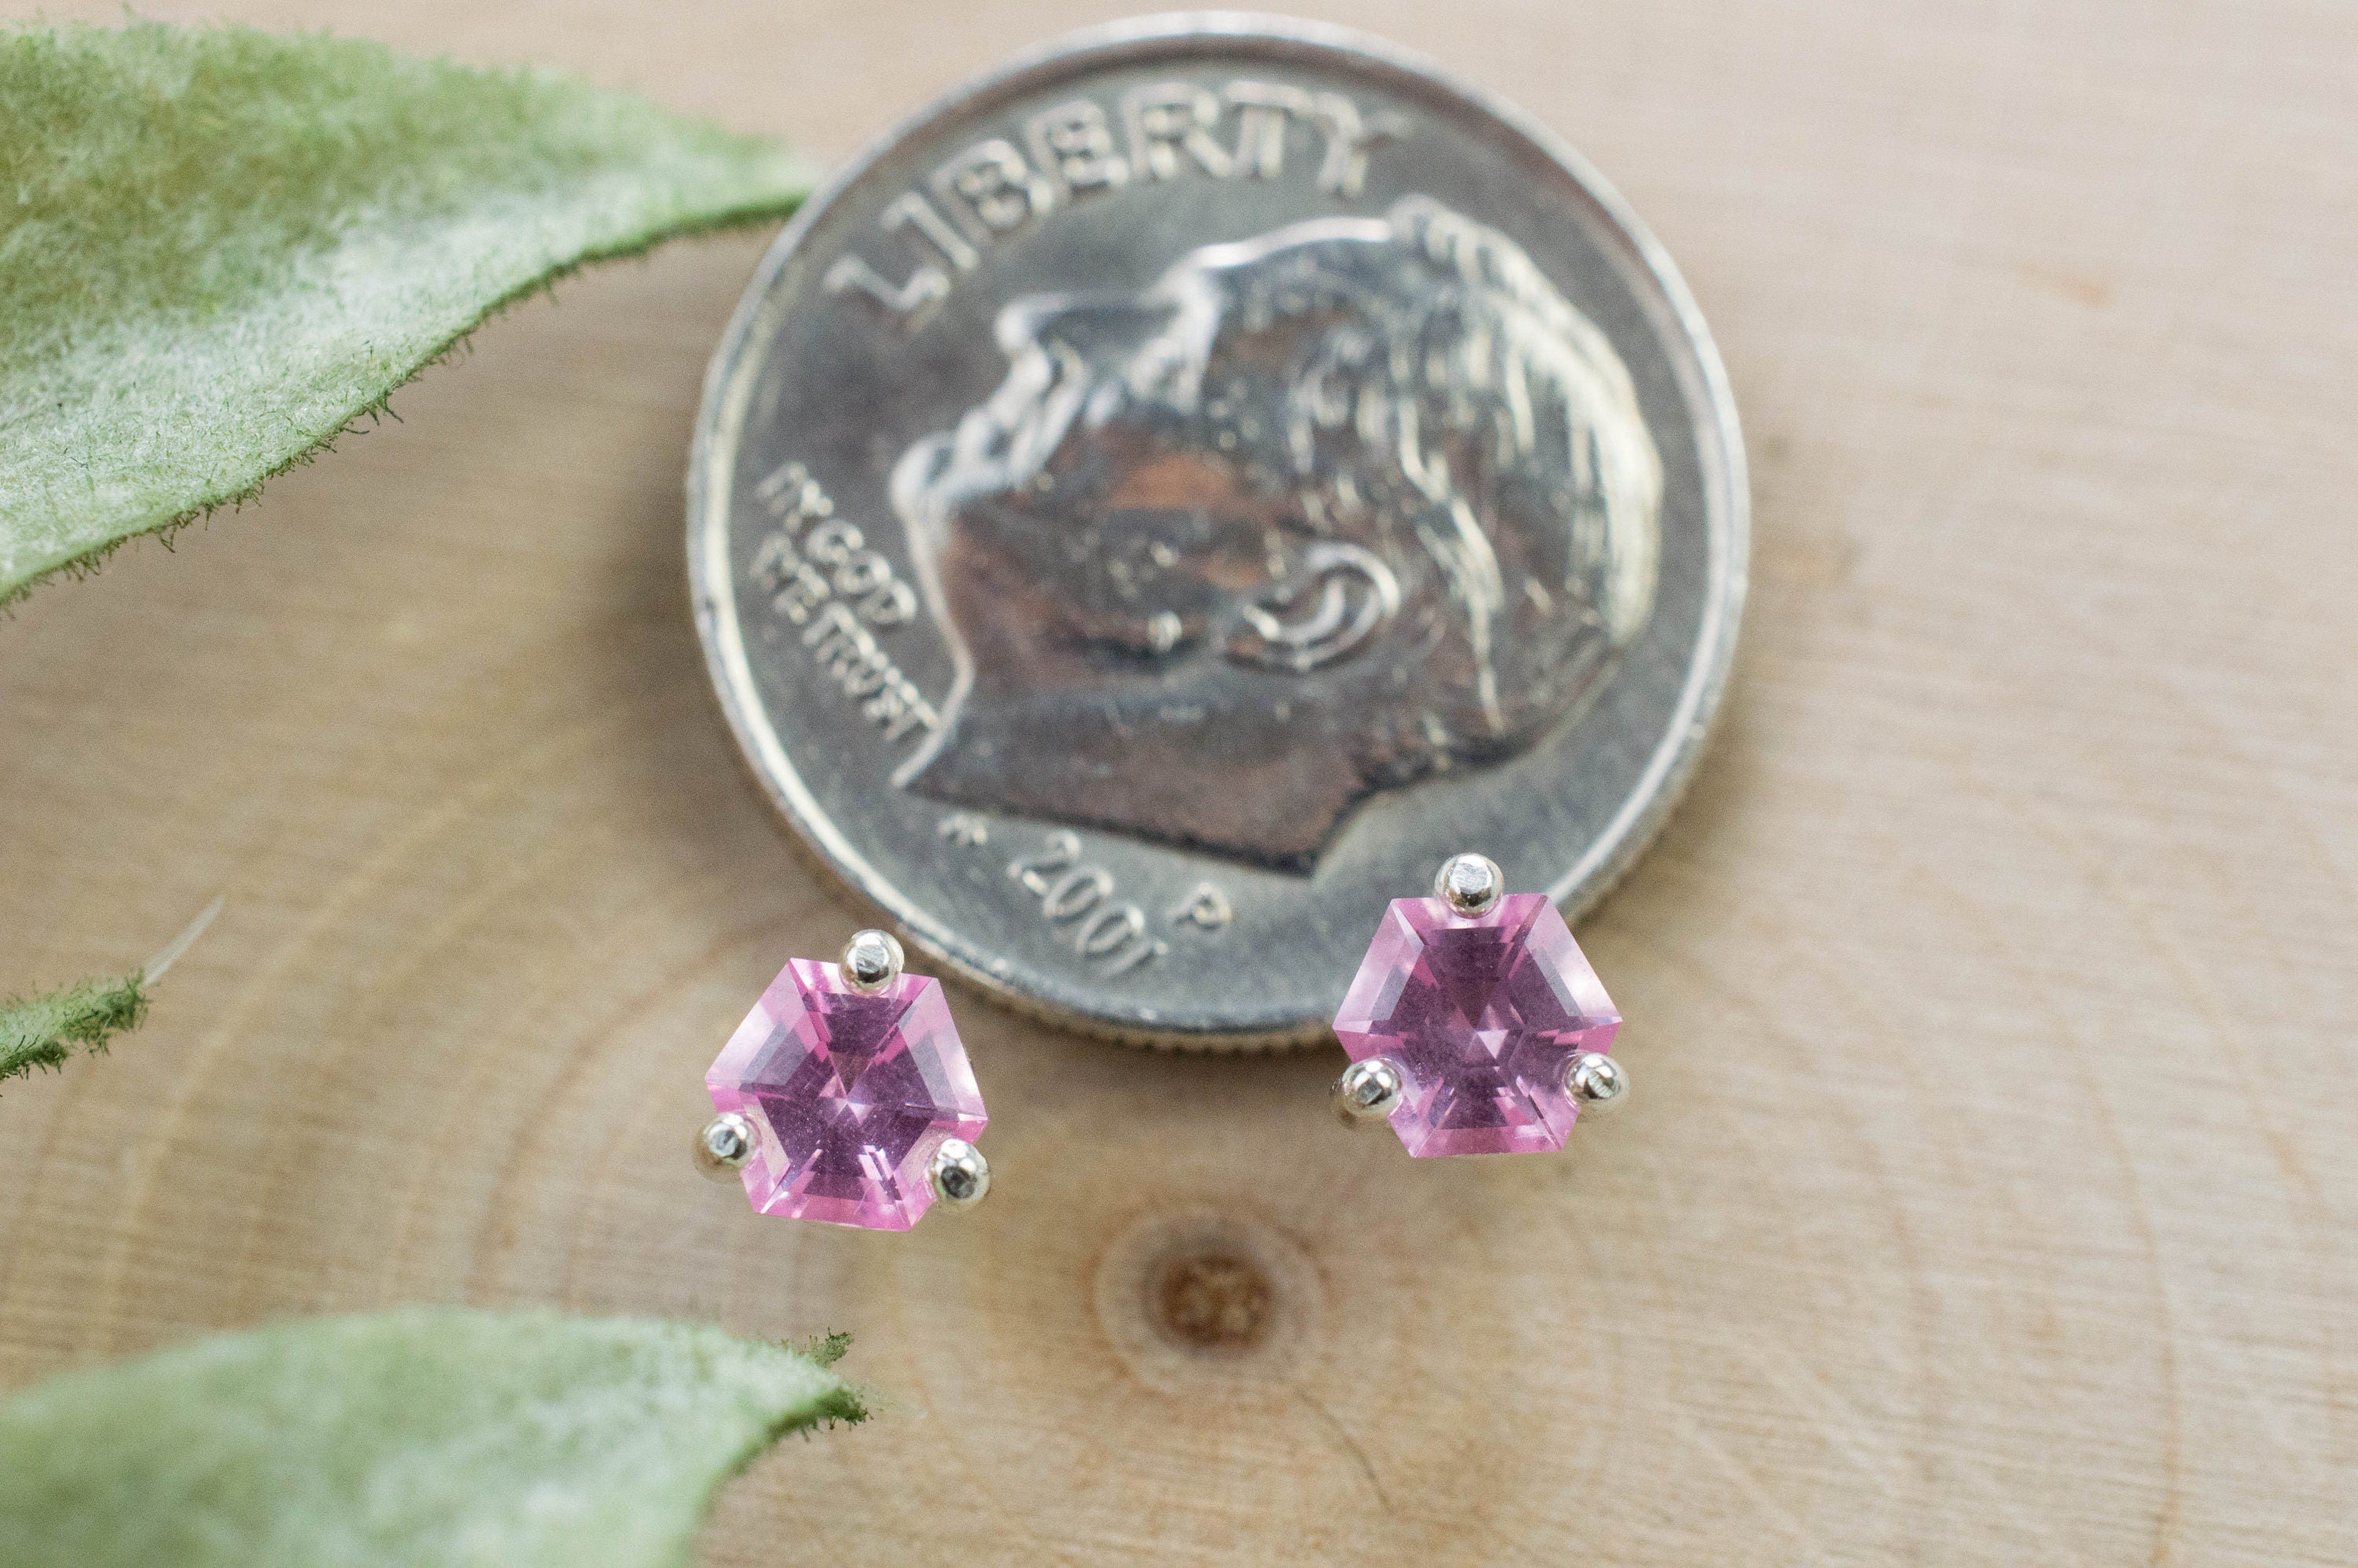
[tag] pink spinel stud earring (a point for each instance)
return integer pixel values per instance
(845, 1095)
(1476, 1026)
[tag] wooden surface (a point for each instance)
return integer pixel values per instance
(1989, 1191)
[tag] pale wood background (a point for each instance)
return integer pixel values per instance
(1989, 1196)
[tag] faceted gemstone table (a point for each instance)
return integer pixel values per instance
(850, 1094)
(1482, 1013)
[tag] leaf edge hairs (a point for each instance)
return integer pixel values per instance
(41, 1031)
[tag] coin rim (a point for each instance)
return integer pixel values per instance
(1727, 526)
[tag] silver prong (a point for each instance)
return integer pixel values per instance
(959, 1174)
(1368, 1091)
(1469, 885)
(1597, 1081)
(723, 1146)
(872, 960)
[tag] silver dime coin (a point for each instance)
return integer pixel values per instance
(1165, 499)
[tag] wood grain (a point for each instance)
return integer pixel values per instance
(1989, 1192)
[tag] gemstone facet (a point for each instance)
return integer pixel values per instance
(850, 1092)
(1482, 1013)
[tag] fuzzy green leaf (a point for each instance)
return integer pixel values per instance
(431, 1436)
(42, 1031)
(219, 247)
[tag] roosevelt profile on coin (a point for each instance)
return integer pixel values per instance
(1316, 515)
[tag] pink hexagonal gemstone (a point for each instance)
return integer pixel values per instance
(1482, 1013)
(850, 1094)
